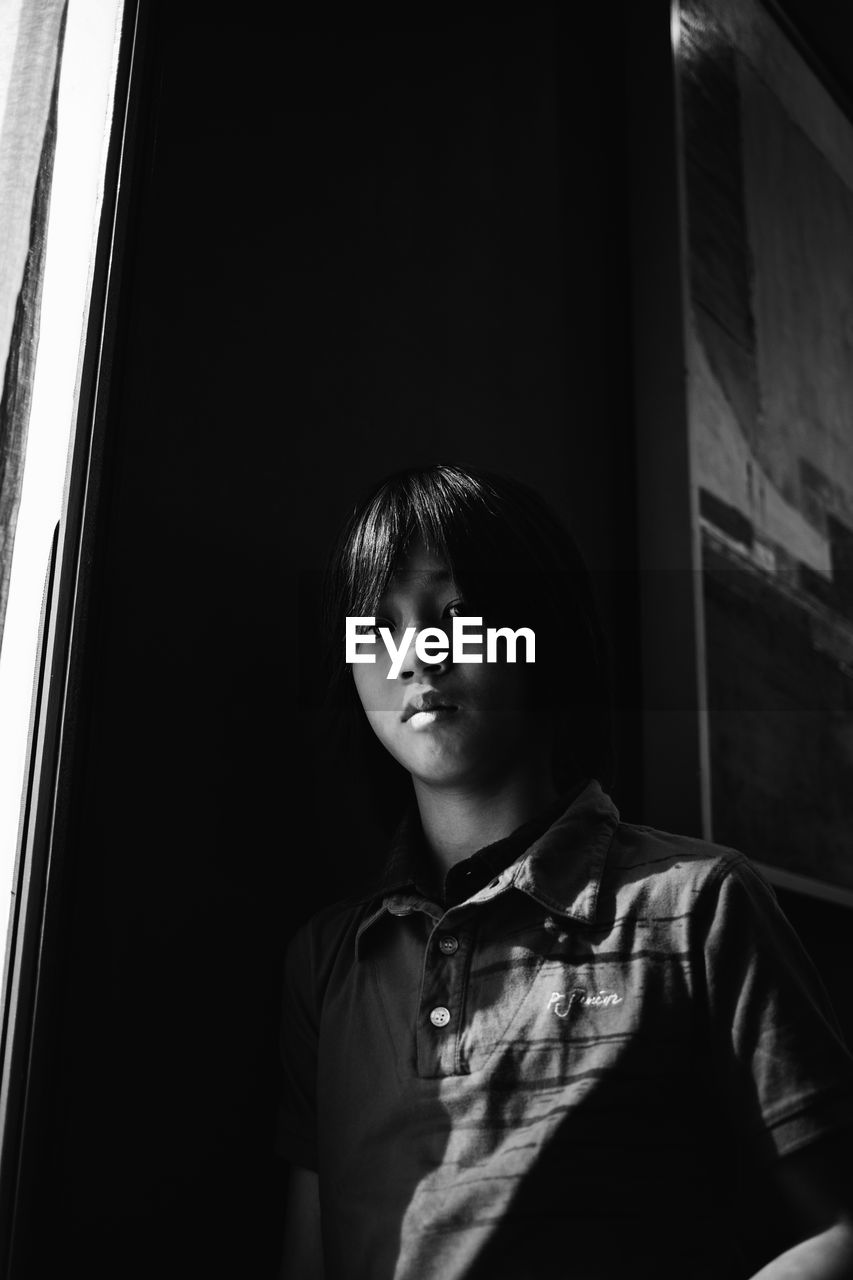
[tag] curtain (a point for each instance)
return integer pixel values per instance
(31, 34)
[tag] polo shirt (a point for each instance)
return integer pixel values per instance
(581, 1069)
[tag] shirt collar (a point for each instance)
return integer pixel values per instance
(561, 870)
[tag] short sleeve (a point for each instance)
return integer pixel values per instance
(296, 1138)
(780, 1060)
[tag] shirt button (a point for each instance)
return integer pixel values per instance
(440, 1016)
(448, 945)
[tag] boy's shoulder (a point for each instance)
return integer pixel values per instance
(336, 917)
(592, 866)
(637, 847)
(664, 867)
(327, 931)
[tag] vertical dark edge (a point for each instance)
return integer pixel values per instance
(676, 782)
(46, 837)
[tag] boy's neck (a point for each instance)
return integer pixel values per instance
(458, 823)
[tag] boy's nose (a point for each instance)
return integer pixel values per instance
(413, 664)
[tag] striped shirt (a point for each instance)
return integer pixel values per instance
(582, 1069)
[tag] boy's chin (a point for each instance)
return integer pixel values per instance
(435, 772)
(457, 775)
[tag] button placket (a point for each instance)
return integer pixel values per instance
(442, 1001)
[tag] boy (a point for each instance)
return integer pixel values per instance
(546, 1042)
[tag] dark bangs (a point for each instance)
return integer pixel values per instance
(444, 506)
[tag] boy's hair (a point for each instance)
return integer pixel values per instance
(514, 563)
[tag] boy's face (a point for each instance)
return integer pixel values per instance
(481, 727)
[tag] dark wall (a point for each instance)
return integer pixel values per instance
(358, 244)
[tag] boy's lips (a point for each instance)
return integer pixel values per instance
(426, 702)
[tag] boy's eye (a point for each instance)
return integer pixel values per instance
(363, 629)
(456, 609)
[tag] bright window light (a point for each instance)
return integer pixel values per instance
(86, 84)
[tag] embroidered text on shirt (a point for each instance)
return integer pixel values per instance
(561, 1002)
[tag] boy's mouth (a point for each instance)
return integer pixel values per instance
(423, 719)
(426, 708)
